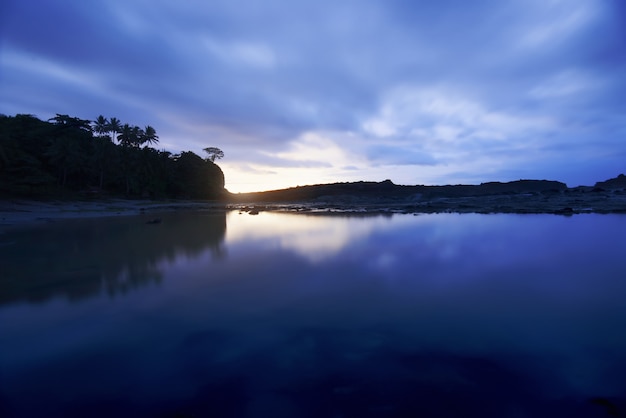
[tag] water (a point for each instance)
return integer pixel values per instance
(287, 315)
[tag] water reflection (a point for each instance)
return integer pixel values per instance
(437, 315)
(314, 237)
(82, 258)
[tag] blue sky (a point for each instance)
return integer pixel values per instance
(304, 92)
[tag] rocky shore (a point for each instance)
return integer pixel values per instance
(569, 202)
(523, 197)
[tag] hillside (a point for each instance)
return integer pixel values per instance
(388, 191)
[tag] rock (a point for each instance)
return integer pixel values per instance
(564, 211)
(618, 182)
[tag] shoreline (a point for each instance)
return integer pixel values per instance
(22, 212)
(19, 212)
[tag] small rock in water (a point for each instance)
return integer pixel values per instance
(154, 221)
(564, 211)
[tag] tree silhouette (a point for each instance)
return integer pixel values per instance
(67, 142)
(213, 153)
(102, 157)
(72, 122)
(149, 136)
(114, 127)
(67, 154)
(23, 141)
(101, 126)
(129, 136)
(137, 137)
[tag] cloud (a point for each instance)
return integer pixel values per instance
(566, 84)
(555, 21)
(302, 90)
(397, 155)
(316, 146)
(443, 124)
(241, 53)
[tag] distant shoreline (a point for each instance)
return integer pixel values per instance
(517, 197)
(520, 196)
(17, 212)
(559, 203)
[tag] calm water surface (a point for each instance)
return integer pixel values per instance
(287, 315)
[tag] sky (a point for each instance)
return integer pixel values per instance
(322, 91)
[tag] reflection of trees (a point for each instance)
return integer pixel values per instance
(80, 258)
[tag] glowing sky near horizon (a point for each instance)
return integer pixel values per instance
(294, 93)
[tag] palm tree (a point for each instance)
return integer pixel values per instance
(137, 136)
(101, 126)
(125, 137)
(130, 136)
(149, 136)
(114, 127)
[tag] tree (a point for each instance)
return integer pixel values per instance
(4, 141)
(101, 126)
(149, 136)
(66, 149)
(23, 139)
(137, 136)
(213, 153)
(129, 136)
(68, 154)
(114, 127)
(65, 153)
(102, 158)
(129, 140)
(197, 178)
(71, 122)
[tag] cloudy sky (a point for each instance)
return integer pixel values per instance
(314, 91)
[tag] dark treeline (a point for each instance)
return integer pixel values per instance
(67, 155)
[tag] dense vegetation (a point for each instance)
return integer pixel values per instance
(65, 156)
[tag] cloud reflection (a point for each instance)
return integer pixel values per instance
(313, 237)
